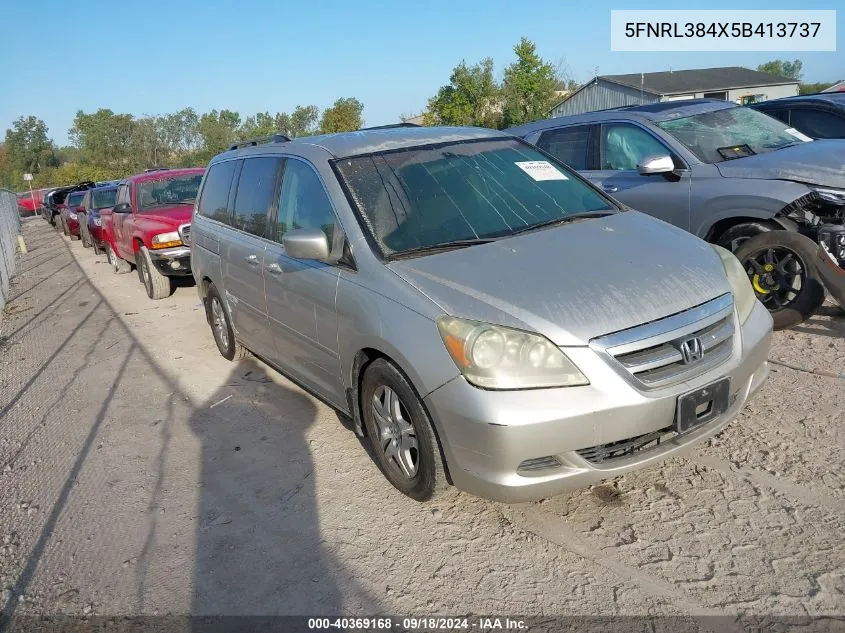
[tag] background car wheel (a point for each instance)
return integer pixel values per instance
(221, 327)
(405, 446)
(158, 286)
(97, 249)
(735, 236)
(780, 265)
(118, 266)
(63, 226)
(83, 232)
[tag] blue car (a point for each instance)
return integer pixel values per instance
(90, 225)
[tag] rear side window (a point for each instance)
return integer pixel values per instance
(214, 200)
(569, 145)
(256, 194)
(304, 203)
(818, 123)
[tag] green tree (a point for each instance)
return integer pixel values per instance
(260, 124)
(809, 89)
(27, 147)
(343, 116)
(103, 137)
(217, 131)
(472, 97)
(178, 131)
(783, 68)
(529, 85)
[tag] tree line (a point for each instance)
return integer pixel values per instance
(105, 145)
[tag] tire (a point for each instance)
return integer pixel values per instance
(83, 232)
(64, 226)
(118, 266)
(791, 289)
(158, 286)
(221, 327)
(97, 249)
(735, 236)
(415, 469)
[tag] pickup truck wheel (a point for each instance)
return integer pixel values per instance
(118, 266)
(158, 286)
(400, 431)
(64, 226)
(782, 270)
(221, 327)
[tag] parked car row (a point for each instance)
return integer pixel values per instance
(484, 314)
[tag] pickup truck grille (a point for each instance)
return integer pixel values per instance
(676, 348)
(185, 234)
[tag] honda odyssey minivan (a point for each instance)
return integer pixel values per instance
(485, 316)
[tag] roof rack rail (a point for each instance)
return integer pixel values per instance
(274, 138)
(391, 125)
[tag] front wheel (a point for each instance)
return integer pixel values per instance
(780, 265)
(118, 265)
(403, 439)
(158, 286)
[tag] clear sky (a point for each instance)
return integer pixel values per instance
(154, 56)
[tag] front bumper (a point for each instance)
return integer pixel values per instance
(486, 435)
(96, 232)
(72, 225)
(173, 262)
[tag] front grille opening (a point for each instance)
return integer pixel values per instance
(538, 464)
(602, 453)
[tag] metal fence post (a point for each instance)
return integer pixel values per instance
(10, 229)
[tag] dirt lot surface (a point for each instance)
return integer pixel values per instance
(141, 473)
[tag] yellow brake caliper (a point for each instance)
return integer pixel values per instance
(755, 280)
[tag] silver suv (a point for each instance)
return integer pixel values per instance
(483, 314)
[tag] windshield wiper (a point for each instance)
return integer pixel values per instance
(444, 246)
(563, 220)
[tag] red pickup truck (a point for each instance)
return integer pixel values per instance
(149, 227)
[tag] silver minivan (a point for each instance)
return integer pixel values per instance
(483, 314)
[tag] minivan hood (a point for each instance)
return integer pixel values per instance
(573, 282)
(820, 162)
(174, 216)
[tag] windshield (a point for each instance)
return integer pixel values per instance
(731, 133)
(168, 191)
(425, 196)
(102, 198)
(75, 198)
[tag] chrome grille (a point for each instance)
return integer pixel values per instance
(653, 354)
(185, 234)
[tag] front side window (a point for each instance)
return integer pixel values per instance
(102, 198)
(167, 192)
(731, 133)
(214, 201)
(303, 202)
(428, 197)
(568, 145)
(624, 146)
(256, 194)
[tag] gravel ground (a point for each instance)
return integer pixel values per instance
(140, 473)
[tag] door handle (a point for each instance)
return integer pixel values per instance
(252, 260)
(274, 269)
(610, 188)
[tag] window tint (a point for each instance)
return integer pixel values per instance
(818, 123)
(256, 193)
(214, 200)
(781, 114)
(624, 146)
(123, 194)
(304, 203)
(568, 145)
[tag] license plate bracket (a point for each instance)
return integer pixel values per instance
(702, 405)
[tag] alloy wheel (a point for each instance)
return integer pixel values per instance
(777, 276)
(218, 322)
(397, 437)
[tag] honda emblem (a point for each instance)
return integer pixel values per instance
(692, 351)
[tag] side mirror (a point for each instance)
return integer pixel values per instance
(658, 164)
(123, 207)
(306, 244)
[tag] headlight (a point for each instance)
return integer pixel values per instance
(836, 196)
(744, 296)
(72, 216)
(496, 357)
(165, 240)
